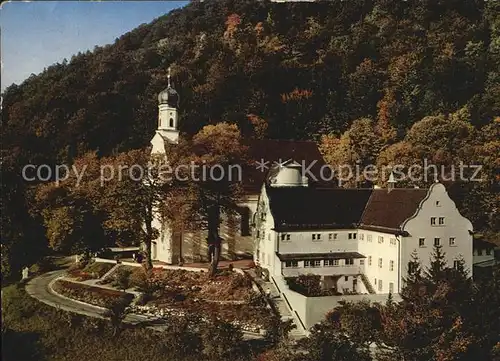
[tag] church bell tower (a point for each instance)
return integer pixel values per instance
(168, 104)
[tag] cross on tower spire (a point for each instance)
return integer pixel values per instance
(168, 77)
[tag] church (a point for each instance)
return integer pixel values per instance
(358, 240)
(176, 246)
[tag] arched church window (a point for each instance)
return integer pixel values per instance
(171, 122)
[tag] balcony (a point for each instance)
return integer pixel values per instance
(342, 270)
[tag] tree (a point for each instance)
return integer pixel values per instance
(132, 195)
(327, 343)
(217, 153)
(116, 313)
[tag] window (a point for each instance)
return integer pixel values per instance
(380, 263)
(361, 262)
(349, 262)
(452, 241)
(456, 264)
(369, 238)
(437, 241)
(391, 287)
(488, 252)
(332, 236)
(291, 264)
(317, 263)
(380, 239)
(328, 262)
(438, 204)
(336, 262)
(479, 252)
(171, 122)
(362, 236)
(263, 234)
(285, 237)
(380, 288)
(352, 236)
(433, 221)
(307, 264)
(369, 260)
(346, 278)
(441, 221)
(393, 241)
(391, 265)
(421, 242)
(316, 236)
(375, 283)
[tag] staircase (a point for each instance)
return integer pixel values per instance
(367, 284)
(281, 306)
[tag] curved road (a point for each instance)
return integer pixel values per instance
(38, 288)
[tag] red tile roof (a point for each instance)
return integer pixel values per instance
(388, 210)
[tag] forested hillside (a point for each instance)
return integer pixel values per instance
(307, 69)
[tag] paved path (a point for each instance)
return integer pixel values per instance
(39, 288)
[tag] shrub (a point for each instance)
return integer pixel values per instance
(117, 310)
(122, 278)
(42, 266)
(240, 281)
(139, 279)
(307, 285)
(256, 299)
(221, 339)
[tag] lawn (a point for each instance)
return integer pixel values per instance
(91, 271)
(94, 295)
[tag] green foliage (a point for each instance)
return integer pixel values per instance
(122, 278)
(220, 339)
(277, 330)
(117, 310)
(307, 285)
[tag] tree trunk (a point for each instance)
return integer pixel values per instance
(147, 262)
(214, 240)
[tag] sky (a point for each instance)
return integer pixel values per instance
(36, 34)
